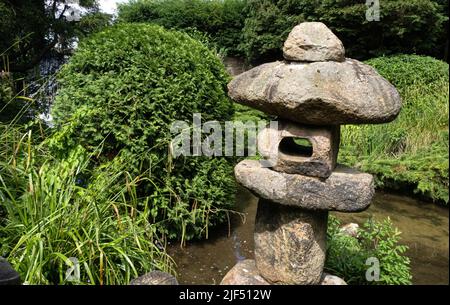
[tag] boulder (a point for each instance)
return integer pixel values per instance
(345, 190)
(244, 273)
(290, 244)
(318, 93)
(313, 41)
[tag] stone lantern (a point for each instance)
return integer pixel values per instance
(314, 91)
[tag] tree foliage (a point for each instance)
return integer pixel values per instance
(30, 29)
(222, 20)
(258, 28)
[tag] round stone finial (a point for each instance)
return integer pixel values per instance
(313, 41)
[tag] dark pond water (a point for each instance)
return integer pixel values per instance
(424, 228)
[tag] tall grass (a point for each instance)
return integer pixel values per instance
(50, 214)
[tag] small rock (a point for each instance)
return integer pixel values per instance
(313, 41)
(328, 279)
(345, 190)
(244, 273)
(290, 244)
(350, 229)
(155, 278)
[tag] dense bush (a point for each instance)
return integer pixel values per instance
(222, 20)
(121, 91)
(412, 150)
(417, 26)
(347, 255)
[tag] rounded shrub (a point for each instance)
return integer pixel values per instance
(120, 93)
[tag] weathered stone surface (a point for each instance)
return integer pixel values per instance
(313, 41)
(316, 161)
(244, 273)
(328, 279)
(346, 190)
(318, 93)
(8, 276)
(155, 278)
(289, 243)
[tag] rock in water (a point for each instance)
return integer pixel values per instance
(8, 276)
(313, 41)
(346, 190)
(244, 273)
(328, 279)
(155, 278)
(350, 229)
(318, 93)
(289, 244)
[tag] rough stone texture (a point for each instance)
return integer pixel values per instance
(318, 93)
(278, 145)
(328, 279)
(8, 276)
(244, 273)
(290, 243)
(313, 41)
(346, 190)
(155, 278)
(350, 229)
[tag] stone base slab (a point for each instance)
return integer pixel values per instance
(346, 190)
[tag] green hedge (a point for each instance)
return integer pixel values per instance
(258, 28)
(222, 20)
(413, 149)
(416, 26)
(121, 91)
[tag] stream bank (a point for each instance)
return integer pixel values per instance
(424, 227)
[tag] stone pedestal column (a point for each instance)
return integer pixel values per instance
(290, 243)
